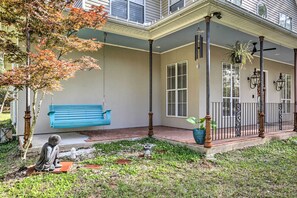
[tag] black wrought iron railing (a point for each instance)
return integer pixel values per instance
(241, 119)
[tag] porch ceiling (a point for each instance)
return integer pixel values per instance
(221, 35)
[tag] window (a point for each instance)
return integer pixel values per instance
(231, 84)
(132, 10)
(177, 90)
(176, 5)
(286, 94)
(285, 21)
(261, 9)
(236, 2)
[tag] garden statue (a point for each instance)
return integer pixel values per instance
(48, 157)
(73, 153)
(148, 150)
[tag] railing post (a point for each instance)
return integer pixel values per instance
(280, 116)
(238, 120)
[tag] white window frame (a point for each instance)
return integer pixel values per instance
(176, 91)
(128, 12)
(285, 110)
(231, 90)
(169, 5)
(235, 2)
(287, 18)
(259, 3)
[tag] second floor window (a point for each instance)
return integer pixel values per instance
(261, 9)
(285, 21)
(236, 2)
(132, 10)
(176, 5)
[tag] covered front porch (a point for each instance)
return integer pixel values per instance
(170, 41)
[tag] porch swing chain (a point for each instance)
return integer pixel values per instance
(103, 79)
(103, 102)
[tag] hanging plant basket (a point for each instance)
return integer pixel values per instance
(240, 53)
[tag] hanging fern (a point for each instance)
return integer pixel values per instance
(240, 53)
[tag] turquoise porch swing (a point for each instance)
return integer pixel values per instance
(82, 115)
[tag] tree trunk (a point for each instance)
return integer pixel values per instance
(3, 102)
(35, 111)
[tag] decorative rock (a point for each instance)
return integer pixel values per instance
(80, 154)
(48, 159)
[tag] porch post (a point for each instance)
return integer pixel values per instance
(295, 89)
(262, 101)
(207, 143)
(150, 127)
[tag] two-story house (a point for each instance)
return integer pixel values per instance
(177, 88)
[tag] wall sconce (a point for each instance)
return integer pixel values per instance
(254, 79)
(279, 83)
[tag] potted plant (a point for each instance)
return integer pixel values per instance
(199, 132)
(240, 53)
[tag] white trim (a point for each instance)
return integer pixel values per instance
(231, 97)
(130, 48)
(281, 99)
(176, 90)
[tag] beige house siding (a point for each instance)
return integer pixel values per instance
(127, 82)
(183, 54)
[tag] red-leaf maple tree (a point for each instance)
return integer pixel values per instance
(51, 27)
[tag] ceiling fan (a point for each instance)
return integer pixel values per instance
(256, 50)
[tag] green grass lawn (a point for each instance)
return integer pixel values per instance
(174, 171)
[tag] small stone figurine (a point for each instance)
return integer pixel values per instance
(48, 157)
(148, 150)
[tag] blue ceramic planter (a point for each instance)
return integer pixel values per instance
(199, 136)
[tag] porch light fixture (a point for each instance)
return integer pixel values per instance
(254, 79)
(279, 83)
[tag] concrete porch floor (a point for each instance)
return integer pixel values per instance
(174, 135)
